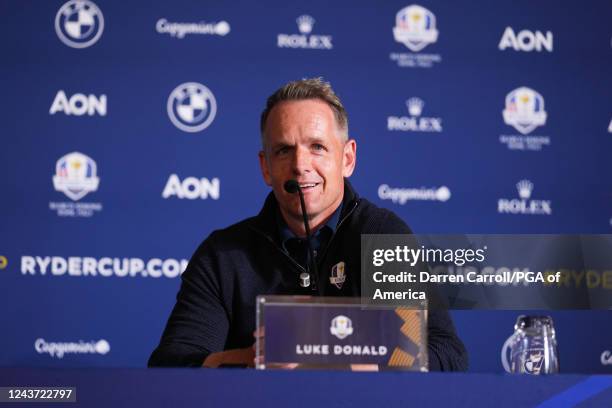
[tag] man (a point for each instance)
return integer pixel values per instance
(304, 131)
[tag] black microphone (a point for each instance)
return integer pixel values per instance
(292, 187)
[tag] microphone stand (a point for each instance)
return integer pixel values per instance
(292, 186)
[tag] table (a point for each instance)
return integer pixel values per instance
(141, 387)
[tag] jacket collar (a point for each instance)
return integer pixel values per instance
(265, 221)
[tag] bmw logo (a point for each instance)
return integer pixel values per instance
(192, 107)
(79, 23)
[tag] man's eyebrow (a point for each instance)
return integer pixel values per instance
(278, 145)
(319, 140)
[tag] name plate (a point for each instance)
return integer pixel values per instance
(325, 332)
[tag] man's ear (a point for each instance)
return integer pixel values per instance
(349, 158)
(265, 171)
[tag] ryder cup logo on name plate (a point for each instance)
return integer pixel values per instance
(524, 110)
(79, 23)
(415, 27)
(341, 327)
(192, 107)
(75, 175)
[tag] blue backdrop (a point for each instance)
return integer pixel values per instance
(130, 132)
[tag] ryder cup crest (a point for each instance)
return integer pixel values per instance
(524, 110)
(79, 23)
(338, 275)
(341, 327)
(75, 175)
(415, 27)
(191, 107)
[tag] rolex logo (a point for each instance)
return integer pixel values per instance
(524, 187)
(305, 23)
(415, 106)
(414, 122)
(524, 204)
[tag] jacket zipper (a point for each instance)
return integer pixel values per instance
(293, 261)
(337, 228)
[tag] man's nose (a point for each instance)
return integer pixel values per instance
(301, 161)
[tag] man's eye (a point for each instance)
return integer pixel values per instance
(318, 146)
(282, 150)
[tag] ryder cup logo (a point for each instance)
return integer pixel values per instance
(524, 110)
(415, 27)
(192, 107)
(79, 23)
(338, 275)
(75, 175)
(341, 327)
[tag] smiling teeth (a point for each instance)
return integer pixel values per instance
(307, 185)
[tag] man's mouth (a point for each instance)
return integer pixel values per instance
(308, 186)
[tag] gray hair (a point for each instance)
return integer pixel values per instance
(307, 88)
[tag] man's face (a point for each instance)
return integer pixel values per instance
(302, 142)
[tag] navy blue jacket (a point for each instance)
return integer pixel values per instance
(215, 307)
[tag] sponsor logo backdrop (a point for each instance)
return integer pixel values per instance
(130, 133)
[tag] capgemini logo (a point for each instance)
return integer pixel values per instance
(102, 347)
(181, 29)
(403, 195)
(59, 350)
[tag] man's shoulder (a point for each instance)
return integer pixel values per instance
(232, 235)
(377, 220)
